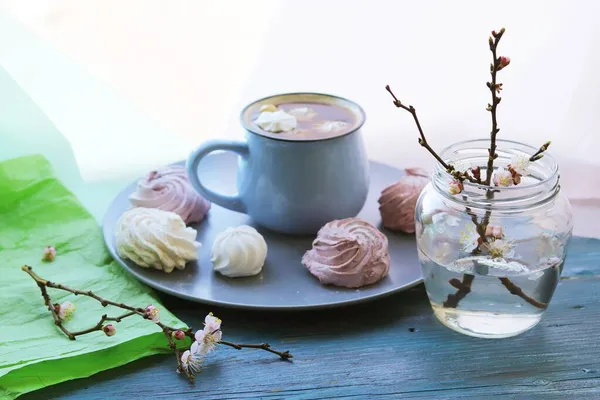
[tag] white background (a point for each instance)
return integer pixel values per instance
(190, 66)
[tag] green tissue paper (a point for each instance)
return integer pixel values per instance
(36, 210)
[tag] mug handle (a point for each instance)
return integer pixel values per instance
(234, 202)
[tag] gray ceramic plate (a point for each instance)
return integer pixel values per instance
(284, 283)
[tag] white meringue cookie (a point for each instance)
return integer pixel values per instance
(239, 251)
(154, 238)
(276, 121)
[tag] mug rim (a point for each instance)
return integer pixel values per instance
(363, 116)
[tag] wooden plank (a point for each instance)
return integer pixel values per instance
(390, 348)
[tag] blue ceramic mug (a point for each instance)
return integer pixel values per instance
(293, 186)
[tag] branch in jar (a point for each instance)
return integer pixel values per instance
(459, 176)
(464, 288)
(498, 63)
(538, 154)
(518, 167)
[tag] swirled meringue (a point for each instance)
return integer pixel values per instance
(276, 121)
(169, 189)
(239, 251)
(348, 252)
(154, 238)
(398, 201)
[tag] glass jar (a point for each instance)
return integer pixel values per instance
(492, 256)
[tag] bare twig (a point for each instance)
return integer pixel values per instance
(52, 309)
(285, 355)
(464, 288)
(492, 107)
(422, 139)
(517, 291)
(43, 284)
(78, 292)
(538, 154)
(169, 335)
(100, 324)
(458, 175)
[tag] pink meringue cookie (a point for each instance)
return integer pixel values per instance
(398, 201)
(169, 189)
(348, 252)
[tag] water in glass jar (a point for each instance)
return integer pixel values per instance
(489, 309)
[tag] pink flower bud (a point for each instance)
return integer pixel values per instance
(456, 187)
(49, 253)
(152, 313)
(504, 61)
(494, 231)
(179, 335)
(109, 329)
(516, 177)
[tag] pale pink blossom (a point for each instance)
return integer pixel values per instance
(65, 310)
(191, 360)
(152, 313)
(520, 164)
(500, 248)
(211, 334)
(469, 239)
(503, 177)
(211, 323)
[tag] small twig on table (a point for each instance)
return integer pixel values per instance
(48, 302)
(169, 331)
(168, 334)
(285, 355)
(100, 324)
(78, 292)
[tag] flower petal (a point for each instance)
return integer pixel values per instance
(199, 336)
(194, 347)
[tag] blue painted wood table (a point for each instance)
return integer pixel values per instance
(390, 348)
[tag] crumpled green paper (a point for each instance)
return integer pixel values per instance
(36, 210)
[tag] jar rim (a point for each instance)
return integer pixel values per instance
(545, 172)
(548, 159)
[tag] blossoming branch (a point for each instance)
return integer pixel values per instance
(189, 363)
(485, 239)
